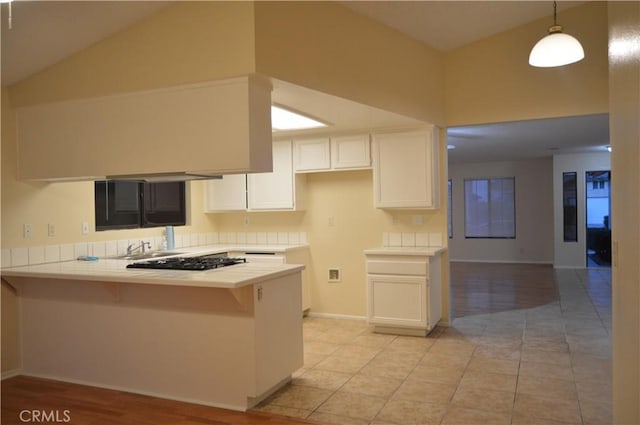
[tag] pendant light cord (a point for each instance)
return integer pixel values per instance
(554, 13)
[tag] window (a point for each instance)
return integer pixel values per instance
(128, 205)
(570, 206)
(490, 208)
(450, 210)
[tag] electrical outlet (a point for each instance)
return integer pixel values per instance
(246, 220)
(330, 221)
(85, 228)
(51, 229)
(27, 231)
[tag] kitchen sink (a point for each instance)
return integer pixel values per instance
(146, 255)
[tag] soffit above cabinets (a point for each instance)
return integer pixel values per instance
(341, 115)
(212, 128)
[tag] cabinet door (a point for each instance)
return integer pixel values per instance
(301, 256)
(349, 152)
(405, 169)
(227, 194)
(397, 300)
(311, 154)
(274, 190)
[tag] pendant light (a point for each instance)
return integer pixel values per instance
(556, 49)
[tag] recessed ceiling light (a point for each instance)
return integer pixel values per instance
(451, 147)
(284, 119)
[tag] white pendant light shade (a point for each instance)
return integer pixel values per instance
(556, 49)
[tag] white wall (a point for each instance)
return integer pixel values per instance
(573, 254)
(534, 213)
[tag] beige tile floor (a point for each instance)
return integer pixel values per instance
(549, 364)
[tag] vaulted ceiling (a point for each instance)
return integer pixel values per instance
(45, 32)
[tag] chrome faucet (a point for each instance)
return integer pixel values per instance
(142, 245)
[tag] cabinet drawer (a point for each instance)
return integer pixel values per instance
(258, 258)
(413, 268)
(253, 257)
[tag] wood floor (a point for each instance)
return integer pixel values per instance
(83, 405)
(475, 289)
(478, 288)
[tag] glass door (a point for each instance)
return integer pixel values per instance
(598, 192)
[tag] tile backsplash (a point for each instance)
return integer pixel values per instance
(412, 239)
(11, 257)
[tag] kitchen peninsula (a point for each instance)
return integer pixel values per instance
(225, 337)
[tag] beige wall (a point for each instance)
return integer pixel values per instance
(624, 86)
(534, 213)
(329, 48)
(184, 43)
(491, 80)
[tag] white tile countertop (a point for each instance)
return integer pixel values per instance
(114, 270)
(405, 250)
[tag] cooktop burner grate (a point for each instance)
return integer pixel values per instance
(204, 262)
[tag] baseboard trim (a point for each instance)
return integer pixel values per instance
(238, 408)
(442, 322)
(335, 316)
(10, 373)
(550, 263)
(571, 267)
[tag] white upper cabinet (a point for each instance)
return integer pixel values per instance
(405, 169)
(332, 154)
(278, 190)
(226, 194)
(312, 154)
(350, 152)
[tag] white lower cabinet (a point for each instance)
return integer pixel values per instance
(297, 256)
(403, 293)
